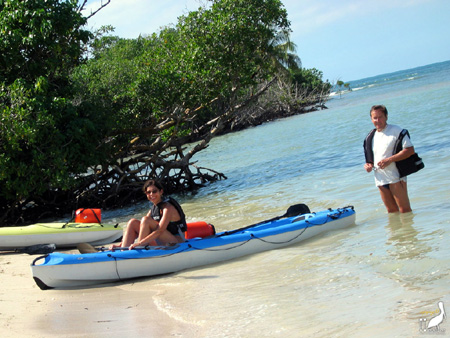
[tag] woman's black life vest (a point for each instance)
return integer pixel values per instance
(172, 226)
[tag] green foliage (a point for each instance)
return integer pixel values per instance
(43, 141)
(45, 138)
(39, 38)
(310, 80)
(210, 54)
(230, 44)
(341, 83)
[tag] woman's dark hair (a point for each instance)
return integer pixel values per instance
(149, 183)
(379, 107)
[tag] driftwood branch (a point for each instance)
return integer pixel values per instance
(81, 7)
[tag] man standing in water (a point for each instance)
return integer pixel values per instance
(380, 157)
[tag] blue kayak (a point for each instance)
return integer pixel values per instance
(57, 270)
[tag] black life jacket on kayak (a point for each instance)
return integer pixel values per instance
(156, 215)
(368, 142)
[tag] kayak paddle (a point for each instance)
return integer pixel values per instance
(293, 210)
(85, 248)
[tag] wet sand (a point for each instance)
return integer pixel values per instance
(110, 310)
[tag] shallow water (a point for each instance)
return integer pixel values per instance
(377, 278)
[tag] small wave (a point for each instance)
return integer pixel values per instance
(363, 87)
(359, 88)
(332, 94)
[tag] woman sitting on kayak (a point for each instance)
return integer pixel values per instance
(164, 222)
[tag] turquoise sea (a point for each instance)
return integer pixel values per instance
(381, 277)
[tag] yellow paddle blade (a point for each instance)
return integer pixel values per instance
(86, 248)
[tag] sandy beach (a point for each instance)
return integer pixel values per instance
(113, 310)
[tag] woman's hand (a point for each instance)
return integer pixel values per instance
(132, 246)
(113, 246)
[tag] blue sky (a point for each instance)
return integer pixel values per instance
(346, 39)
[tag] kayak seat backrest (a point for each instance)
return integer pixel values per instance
(298, 219)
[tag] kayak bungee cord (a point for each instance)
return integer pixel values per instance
(229, 248)
(283, 242)
(115, 265)
(148, 248)
(331, 217)
(252, 236)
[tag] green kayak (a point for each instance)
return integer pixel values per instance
(60, 234)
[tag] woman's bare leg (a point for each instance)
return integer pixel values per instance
(147, 226)
(131, 232)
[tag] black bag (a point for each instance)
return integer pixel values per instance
(411, 164)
